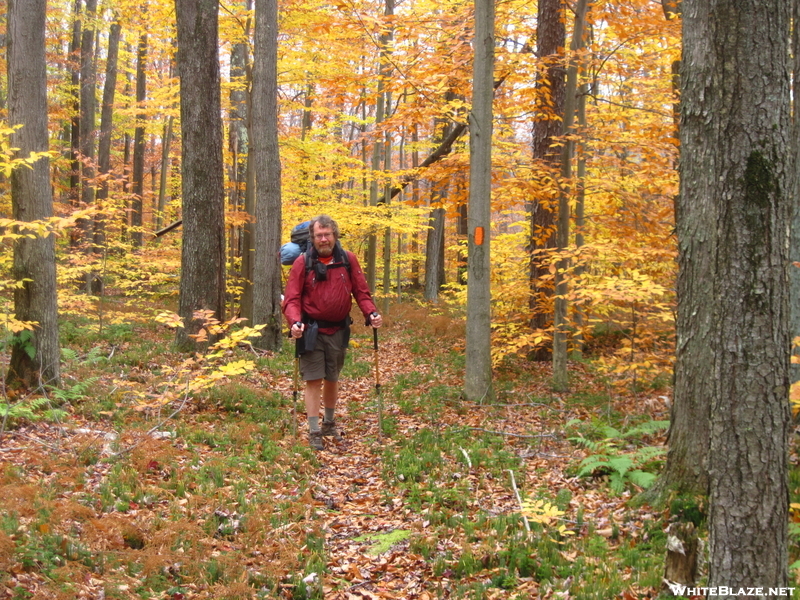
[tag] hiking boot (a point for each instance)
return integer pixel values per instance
(329, 430)
(315, 440)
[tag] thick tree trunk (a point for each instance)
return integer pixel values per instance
(267, 281)
(34, 361)
(550, 44)
(686, 468)
(202, 284)
(749, 182)
(478, 376)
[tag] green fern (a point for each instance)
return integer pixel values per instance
(31, 409)
(68, 354)
(76, 392)
(596, 464)
(622, 468)
(647, 428)
(641, 478)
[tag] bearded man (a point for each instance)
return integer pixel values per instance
(317, 303)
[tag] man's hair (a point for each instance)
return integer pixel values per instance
(324, 221)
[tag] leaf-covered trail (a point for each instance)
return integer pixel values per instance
(223, 502)
(354, 499)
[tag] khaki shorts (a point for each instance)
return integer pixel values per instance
(326, 360)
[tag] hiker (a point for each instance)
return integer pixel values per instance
(317, 303)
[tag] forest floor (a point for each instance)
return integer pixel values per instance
(138, 494)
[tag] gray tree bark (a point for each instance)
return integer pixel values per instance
(35, 361)
(137, 235)
(478, 377)
(746, 81)
(560, 376)
(104, 150)
(202, 285)
(794, 252)
(166, 143)
(686, 468)
(434, 246)
(75, 124)
(88, 109)
(267, 281)
(238, 136)
(88, 86)
(106, 125)
(434, 242)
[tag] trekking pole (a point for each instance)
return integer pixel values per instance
(296, 385)
(378, 382)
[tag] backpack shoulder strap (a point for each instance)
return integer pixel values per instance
(344, 255)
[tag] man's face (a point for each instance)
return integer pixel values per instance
(323, 240)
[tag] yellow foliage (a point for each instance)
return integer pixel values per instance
(546, 514)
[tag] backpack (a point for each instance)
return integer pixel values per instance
(298, 244)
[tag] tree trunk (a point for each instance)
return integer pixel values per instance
(75, 139)
(387, 194)
(750, 175)
(202, 285)
(415, 202)
(88, 88)
(794, 251)
(560, 378)
(434, 243)
(139, 145)
(238, 135)
(104, 147)
(478, 376)
(550, 43)
(434, 248)
(378, 145)
(308, 102)
(686, 468)
(106, 125)
(580, 220)
(34, 361)
(267, 281)
(166, 142)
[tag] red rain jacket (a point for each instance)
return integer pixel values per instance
(328, 300)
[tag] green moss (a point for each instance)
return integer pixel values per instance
(382, 542)
(759, 180)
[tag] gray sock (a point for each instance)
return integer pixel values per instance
(329, 414)
(313, 424)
